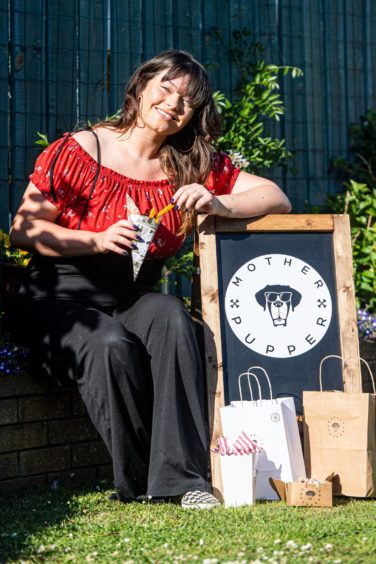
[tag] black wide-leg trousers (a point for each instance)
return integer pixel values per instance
(138, 370)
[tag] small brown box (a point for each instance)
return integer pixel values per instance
(308, 493)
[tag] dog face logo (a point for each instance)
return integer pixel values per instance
(311, 496)
(336, 427)
(279, 300)
(277, 305)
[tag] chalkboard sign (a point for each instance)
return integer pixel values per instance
(277, 292)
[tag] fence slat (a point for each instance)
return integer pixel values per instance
(59, 71)
(4, 105)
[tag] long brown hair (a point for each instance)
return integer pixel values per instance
(185, 156)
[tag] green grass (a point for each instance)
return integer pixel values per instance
(82, 525)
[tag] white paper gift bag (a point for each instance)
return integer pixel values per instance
(272, 424)
(238, 468)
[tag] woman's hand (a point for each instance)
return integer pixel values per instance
(251, 196)
(197, 197)
(119, 238)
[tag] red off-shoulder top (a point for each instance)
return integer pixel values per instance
(73, 177)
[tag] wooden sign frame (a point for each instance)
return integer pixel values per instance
(208, 227)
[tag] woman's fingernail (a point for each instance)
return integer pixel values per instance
(172, 200)
(176, 207)
(186, 209)
(139, 238)
(125, 253)
(136, 227)
(134, 246)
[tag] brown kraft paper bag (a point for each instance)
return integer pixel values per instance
(340, 435)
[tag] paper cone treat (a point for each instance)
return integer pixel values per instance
(147, 229)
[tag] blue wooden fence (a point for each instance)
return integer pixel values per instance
(69, 60)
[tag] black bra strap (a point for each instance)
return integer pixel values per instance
(52, 188)
(95, 178)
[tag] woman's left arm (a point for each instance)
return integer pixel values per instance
(251, 196)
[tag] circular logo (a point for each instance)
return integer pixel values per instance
(278, 305)
(275, 417)
(310, 496)
(336, 427)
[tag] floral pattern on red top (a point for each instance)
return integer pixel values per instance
(73, 177)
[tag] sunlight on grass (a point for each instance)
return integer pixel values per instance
(84, 526)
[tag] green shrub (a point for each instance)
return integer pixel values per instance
(358, 199)
(244, 137)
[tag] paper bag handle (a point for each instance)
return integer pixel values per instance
(266, 376)
(368, 368)
(344, 361)
(322, 362)
(248, 374)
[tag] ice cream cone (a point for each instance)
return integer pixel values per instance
(147, 229)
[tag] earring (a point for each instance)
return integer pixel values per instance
(139, 111)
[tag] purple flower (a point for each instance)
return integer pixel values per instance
(366, 323)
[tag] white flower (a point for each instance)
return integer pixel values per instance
(277, 541)
(260, 549)
(238, 159)
(126, 540)
(41, 548)
(291, 544)
(165, 545)
(307, 546)
(201, 542)
(328, 547)
(364, 539)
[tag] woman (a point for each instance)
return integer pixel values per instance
(132, 352)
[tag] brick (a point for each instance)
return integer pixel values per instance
(52, 406)
(8, 466)
(21, 436)
(16, 385)
(8, 411)
(16, 484)
(76, 476)
(44, 460)
(64, 477)
(71, 430)
(105, 472)
(78, 406)
(368, 349)
(89, 454)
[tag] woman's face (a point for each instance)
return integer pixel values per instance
(164, 107)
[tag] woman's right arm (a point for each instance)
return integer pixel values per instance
(34, 229)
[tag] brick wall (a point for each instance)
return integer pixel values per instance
(368, 352)
(46, 435)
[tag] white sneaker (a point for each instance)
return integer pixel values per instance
(199, 500)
